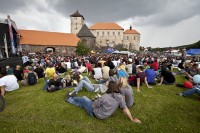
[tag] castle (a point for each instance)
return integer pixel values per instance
(104, 34)
(98, 36)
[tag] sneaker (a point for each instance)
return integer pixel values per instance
(180, 94)
(73, 93)
(67, 96)
(97, 89)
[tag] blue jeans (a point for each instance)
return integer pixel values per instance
(86, 83)
(82, 102)
(46, 85)
(192, 91)
(86, 79)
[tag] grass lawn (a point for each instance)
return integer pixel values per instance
(30, 109)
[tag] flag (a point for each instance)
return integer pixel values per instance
(11, 35)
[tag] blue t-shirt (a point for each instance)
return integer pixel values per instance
(121, 73)
(151, 74)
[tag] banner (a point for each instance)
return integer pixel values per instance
(6, 46)
(11, 35)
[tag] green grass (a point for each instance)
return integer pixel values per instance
(30, 109)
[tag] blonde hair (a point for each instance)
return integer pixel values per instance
(18, 67)
(123, 82)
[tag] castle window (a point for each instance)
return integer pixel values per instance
(97, 33)
(127, 37)
(103, 33)
(108, 33)
(113, 33)
(101, 42)
(134, 38)
(118, 33)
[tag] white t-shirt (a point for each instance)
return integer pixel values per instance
(10, 83)
(25, 59)
(115, 63)
(97, 73)
(68, 65)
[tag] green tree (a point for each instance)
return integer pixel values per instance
(82, 49)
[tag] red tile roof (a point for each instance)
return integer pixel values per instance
(33, 37)
(106, 26)
(131, 32)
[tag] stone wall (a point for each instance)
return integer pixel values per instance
(89, 41)
(58, 49)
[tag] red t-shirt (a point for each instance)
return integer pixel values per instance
(89, 66)
(155, 66)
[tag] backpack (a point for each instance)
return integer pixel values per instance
(32, 79)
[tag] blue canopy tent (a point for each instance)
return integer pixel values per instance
(109, 50)
(193, 51)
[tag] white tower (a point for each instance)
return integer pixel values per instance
(77, 21)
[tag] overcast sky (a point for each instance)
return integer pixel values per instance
(162, 23)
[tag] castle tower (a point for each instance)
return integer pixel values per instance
(131, 39)
(77, 21)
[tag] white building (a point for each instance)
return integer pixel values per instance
(108, 34)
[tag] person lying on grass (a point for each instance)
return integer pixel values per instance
(87, 84)
(189, 92)
(7, 82)
(104, 106)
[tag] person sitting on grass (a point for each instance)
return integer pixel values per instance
(151, 74)
(126, 91)
(18, 72)
(55, 83)
(104, 106)
(39, 70)
(192, 71)
(140, 77)
(30, 78)
(7, 82)
(50, 70)
(166, 76)
(121, 71)
(97, 71)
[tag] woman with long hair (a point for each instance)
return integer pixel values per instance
(104, 106)
(126, 91)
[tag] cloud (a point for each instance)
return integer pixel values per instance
(160, 22)
(107, 10)
(8, 6)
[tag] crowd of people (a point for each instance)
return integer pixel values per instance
(116, 76)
